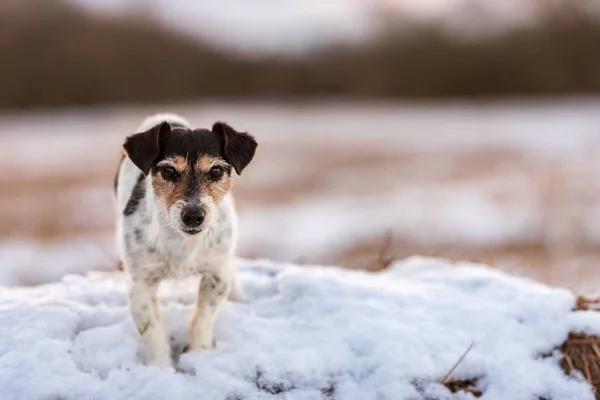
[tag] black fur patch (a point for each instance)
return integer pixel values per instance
(137, 194)
(147, 149)
(195, 143)
(192, 185)
(191, 144)
(127, 242)
(138, 234)
(238, 147)
(116, 180)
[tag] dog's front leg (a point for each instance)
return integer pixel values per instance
(235, 292)
(213, 290)
(145, 312)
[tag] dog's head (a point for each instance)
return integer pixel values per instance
(190, 169)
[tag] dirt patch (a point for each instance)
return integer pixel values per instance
(468, 386)
(574, 269)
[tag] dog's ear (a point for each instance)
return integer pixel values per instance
(238, 147)
(143, 148)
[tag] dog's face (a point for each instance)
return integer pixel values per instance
(190, 170)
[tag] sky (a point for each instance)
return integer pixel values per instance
(276, 26)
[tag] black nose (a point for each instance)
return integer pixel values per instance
(192, 217)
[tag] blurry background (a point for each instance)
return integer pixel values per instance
(468, 129)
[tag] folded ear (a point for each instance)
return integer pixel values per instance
(238, 147)
(143, 148)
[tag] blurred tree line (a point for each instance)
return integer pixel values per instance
(55, 54)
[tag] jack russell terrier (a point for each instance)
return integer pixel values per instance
(176, 218)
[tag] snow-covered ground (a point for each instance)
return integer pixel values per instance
(305, 333)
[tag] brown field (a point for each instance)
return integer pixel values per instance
(512, 185)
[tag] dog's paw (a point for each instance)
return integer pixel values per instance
(202, 344)
(157, 358)
(159, 362)
(236, 296)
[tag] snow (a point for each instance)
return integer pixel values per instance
(30, 263)
(408, 212)
(304, 331)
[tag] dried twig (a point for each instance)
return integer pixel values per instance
(384, 257)
(596, 350)
(569, 362)
(301, 260)
(586, 368)
(460, 360)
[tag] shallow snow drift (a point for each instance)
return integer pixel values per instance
(305, 333)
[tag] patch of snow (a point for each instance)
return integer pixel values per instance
(28, 262)
(304, 331)
(442, 214)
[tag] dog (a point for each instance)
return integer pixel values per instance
(176, 218)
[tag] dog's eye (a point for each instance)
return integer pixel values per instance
(216, 172)
(169, 173)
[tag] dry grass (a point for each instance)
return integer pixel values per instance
(575, 271)
(384, 258)
(581, 352)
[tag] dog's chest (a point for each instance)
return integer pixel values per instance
(186, 257)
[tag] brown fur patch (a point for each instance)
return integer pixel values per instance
(170, 192)
(205, 163)
(216, 190)
(180, 163)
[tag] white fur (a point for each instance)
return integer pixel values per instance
(152, 249)
(156, 119)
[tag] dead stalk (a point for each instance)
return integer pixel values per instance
(460, 360)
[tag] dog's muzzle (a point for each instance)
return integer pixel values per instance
(192, 217)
